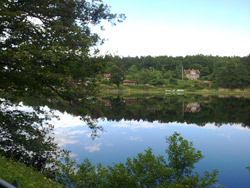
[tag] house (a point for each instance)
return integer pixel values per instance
(130, 99)
(106, 76)
(126, 82)
(107, 104)
(192, 74)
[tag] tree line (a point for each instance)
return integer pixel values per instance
(226, 72)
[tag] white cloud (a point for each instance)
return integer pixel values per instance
(35, 21)
(129, 39)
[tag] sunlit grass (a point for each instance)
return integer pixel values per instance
(25, 176)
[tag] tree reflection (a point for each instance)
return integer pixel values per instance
(25, 136)
(209, 109)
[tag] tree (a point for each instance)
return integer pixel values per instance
(117, 75)
(233, 75)
(178, 71)
(156, 78)
(132, 69)
(45, 52)
(45, 45)
(144, 76)
(132, 73)
(246, 62)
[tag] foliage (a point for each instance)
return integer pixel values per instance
(25, 176)
(163, 70)
(231, 76)
(25, 137)
(145, 170)
(246, 62)
(173, 108)
(117, 75)
(45, 46)
(248, 168)
(46, 52)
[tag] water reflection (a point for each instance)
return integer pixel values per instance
(24, 135)
(123, 126)
(190, 109)
(193, 107)
(225, 148)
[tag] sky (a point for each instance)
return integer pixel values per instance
(179, 28)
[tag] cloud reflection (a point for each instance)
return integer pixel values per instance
(152, 125)
(77, 132)
(66, 120)
(224, 135)
(63, 139)
(135, 138)
(93, 148)
(139, 124)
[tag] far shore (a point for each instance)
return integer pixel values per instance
(147, 89)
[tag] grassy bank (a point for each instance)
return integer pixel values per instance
(149, 89)
(140, 89)
(25, 176)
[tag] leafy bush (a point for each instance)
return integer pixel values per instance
(199, 86)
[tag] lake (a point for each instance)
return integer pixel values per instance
(124, 126)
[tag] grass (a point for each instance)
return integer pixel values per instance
(132, 89)
(148, 89)
(25, 176)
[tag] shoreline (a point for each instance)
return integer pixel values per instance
(172, 91)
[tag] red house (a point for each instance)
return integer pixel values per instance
(107, 104)
(106, 76)
(129, 82)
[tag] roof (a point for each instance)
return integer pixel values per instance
(107, 104)
(106, 75)
(188, 71)
(127, 81)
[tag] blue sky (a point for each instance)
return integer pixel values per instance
(179, 28)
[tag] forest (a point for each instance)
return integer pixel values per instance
(215, 71)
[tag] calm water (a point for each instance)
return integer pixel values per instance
(127, 125)
(217, 126)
